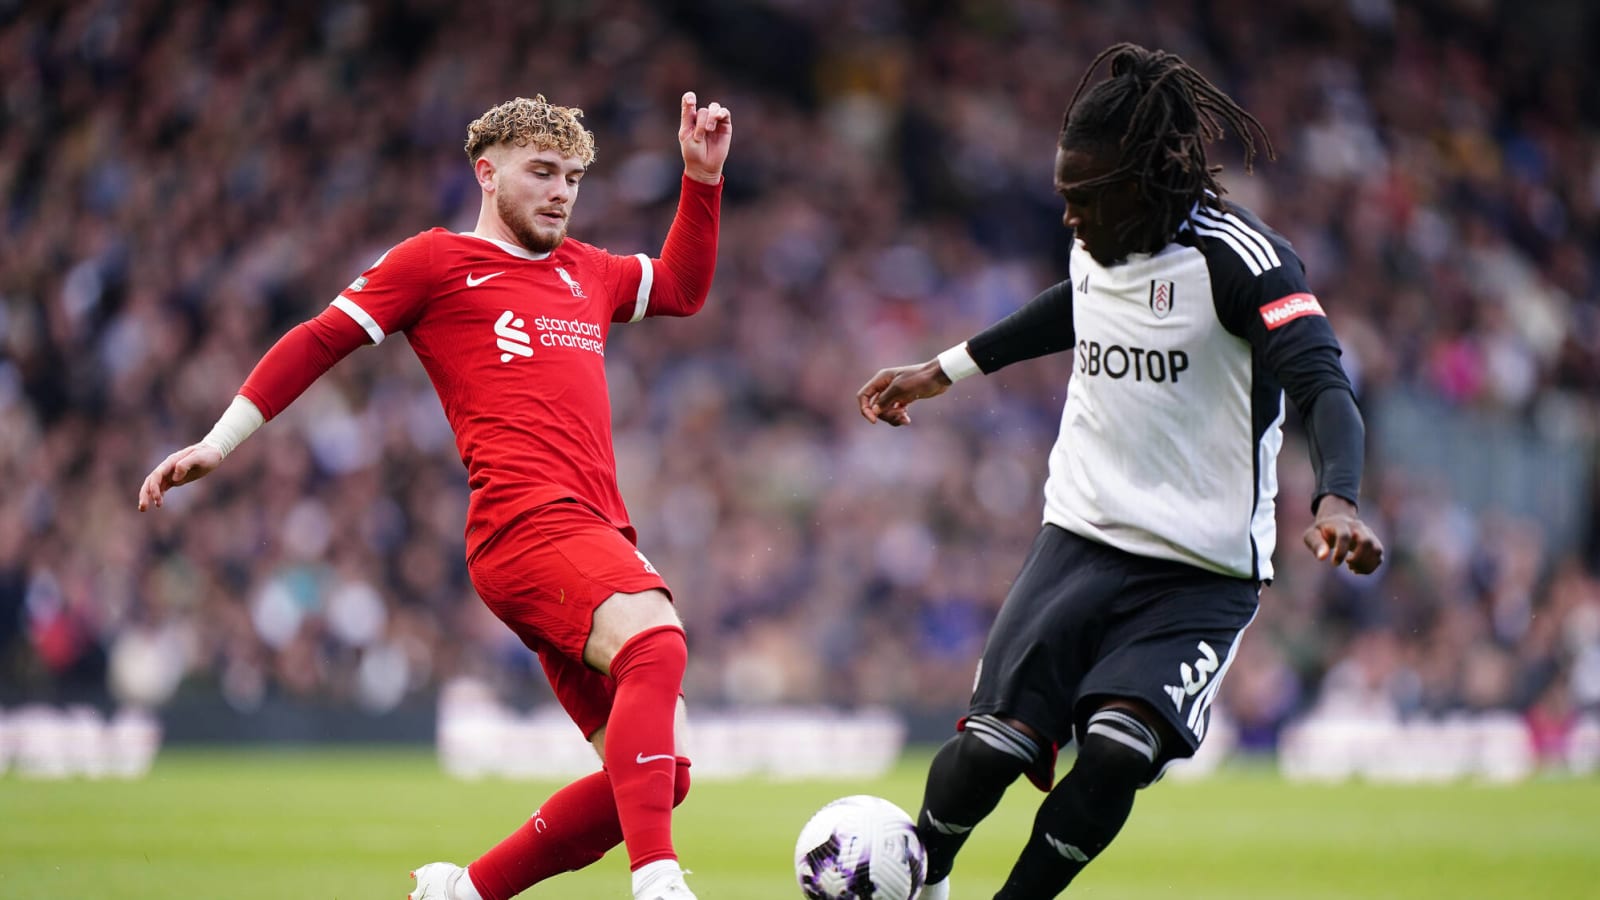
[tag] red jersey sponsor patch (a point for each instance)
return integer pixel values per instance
(1286, 309)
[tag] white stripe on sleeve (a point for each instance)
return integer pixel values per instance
(1251, 261)
(647, 277)
(1260, 239)
(368, 323)
(1260, 247)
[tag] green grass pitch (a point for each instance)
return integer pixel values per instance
(349, 824)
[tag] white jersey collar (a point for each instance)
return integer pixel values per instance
(513, 249)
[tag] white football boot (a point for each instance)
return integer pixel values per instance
(437, 881)
(671, 888)
(940, 891)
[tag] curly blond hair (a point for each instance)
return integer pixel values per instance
(538, 122)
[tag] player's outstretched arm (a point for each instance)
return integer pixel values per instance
(887, 395)
(1339, 536)
(294, 362)
(705, 135)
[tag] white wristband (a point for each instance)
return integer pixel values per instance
(237, 423)
(957, 363)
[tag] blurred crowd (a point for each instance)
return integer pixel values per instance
(184, 182)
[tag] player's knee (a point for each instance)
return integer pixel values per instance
(1119, 749)
(621, 619)
(991, 751)
(661, 650)
(680, 781)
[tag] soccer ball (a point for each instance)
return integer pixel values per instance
(860, 848)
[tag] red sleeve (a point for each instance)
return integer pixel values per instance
(678, 282)
(391, 294)
(387, 297)
(299, 358)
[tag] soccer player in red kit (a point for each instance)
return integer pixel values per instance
(510, 321)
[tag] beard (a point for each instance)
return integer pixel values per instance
(522, 224)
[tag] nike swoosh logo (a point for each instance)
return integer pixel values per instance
(474, 282)
(946, 828)
(641, 759)
(1066, 850)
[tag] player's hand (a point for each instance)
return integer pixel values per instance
(1339, 536)
(704, 135)
(192, 463)
(887, 394)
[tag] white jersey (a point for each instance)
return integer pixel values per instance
(1170, 435)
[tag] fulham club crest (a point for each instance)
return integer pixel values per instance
(1160, 298)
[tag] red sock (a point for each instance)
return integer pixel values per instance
(640, 755)
(574, 828)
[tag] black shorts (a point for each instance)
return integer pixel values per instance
(1085, 622)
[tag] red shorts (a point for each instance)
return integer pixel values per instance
(543, 575)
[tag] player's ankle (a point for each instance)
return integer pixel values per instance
(463, 888)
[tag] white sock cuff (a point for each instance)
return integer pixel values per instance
(646, 876)
(464, 889)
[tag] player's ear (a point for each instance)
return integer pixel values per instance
(484, 170)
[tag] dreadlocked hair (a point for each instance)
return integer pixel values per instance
(1157, 113)
(539, 122)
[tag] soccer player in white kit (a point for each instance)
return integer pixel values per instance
(1189, 320)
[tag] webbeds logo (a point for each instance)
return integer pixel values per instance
(1286, 309)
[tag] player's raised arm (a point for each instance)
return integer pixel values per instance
(678, 283)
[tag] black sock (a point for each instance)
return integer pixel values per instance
(1080, 816)
(966, 780)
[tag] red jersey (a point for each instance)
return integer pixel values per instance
(514, 343)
